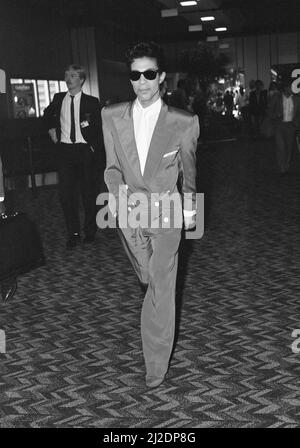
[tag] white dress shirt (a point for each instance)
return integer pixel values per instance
(288, 108)
(65, 119)
(144, 121)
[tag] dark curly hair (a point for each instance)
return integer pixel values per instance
(146, 49)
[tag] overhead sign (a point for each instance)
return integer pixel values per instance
(288, 71)
(23, 100)
(296, 82)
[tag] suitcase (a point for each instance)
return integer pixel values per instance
(21, 248)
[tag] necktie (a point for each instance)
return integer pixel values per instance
(72, 133)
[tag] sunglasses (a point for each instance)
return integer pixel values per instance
(135, 75)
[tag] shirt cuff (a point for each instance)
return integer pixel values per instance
(1, 198)
(189, 213)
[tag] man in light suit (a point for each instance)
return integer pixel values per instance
(150, 147)
(284, 111)
(73, 121)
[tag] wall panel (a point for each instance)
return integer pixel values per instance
(84, 53)
(250, 58)
(33, 44)
(274, 49)
(287, 48)
(263, 59)
(240, 53)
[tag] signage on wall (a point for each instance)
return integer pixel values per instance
(23, 100)
(288, 71)
(296, 80)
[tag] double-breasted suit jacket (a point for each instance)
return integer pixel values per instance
(171, 160)
(171, 156)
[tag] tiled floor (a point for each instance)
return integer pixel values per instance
(73, 355)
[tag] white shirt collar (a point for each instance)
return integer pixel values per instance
(77, 94)
(154, 107)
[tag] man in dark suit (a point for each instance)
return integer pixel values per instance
(149, 148)
(284, 111)
(179, 98)
(74, 124)
(257, 107)
(8, 285)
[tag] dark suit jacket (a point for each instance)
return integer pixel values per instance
(258, 104)
(1, 180)
(171, 155)
(89, 111)
(275, 109)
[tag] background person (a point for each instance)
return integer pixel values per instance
(179, 98)
(243, 107)
(8, 285)
(257, 107)
(74, 123)
(284, 110)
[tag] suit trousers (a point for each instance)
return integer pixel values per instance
(285, 138)
(76, 171)
(256, 122)
(154, 257)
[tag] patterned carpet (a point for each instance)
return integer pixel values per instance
(73, 350)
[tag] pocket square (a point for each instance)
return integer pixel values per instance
(170, 153)
(84, 124)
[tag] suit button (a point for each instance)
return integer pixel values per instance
(156, 204)
(166, 219)
(129, 208)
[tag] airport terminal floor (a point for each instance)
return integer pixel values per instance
(73, 350)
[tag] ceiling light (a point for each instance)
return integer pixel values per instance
(195, 27)
(221, 28)
(212, 38)
(190, 3)
(207, 18)
(169, 12)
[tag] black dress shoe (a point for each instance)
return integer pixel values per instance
(73, 241)
(8, 288)
(89, 239)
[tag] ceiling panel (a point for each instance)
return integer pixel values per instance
(241, 17)
(143, 17)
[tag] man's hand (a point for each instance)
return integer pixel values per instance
(53, 136)
(189, 222)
